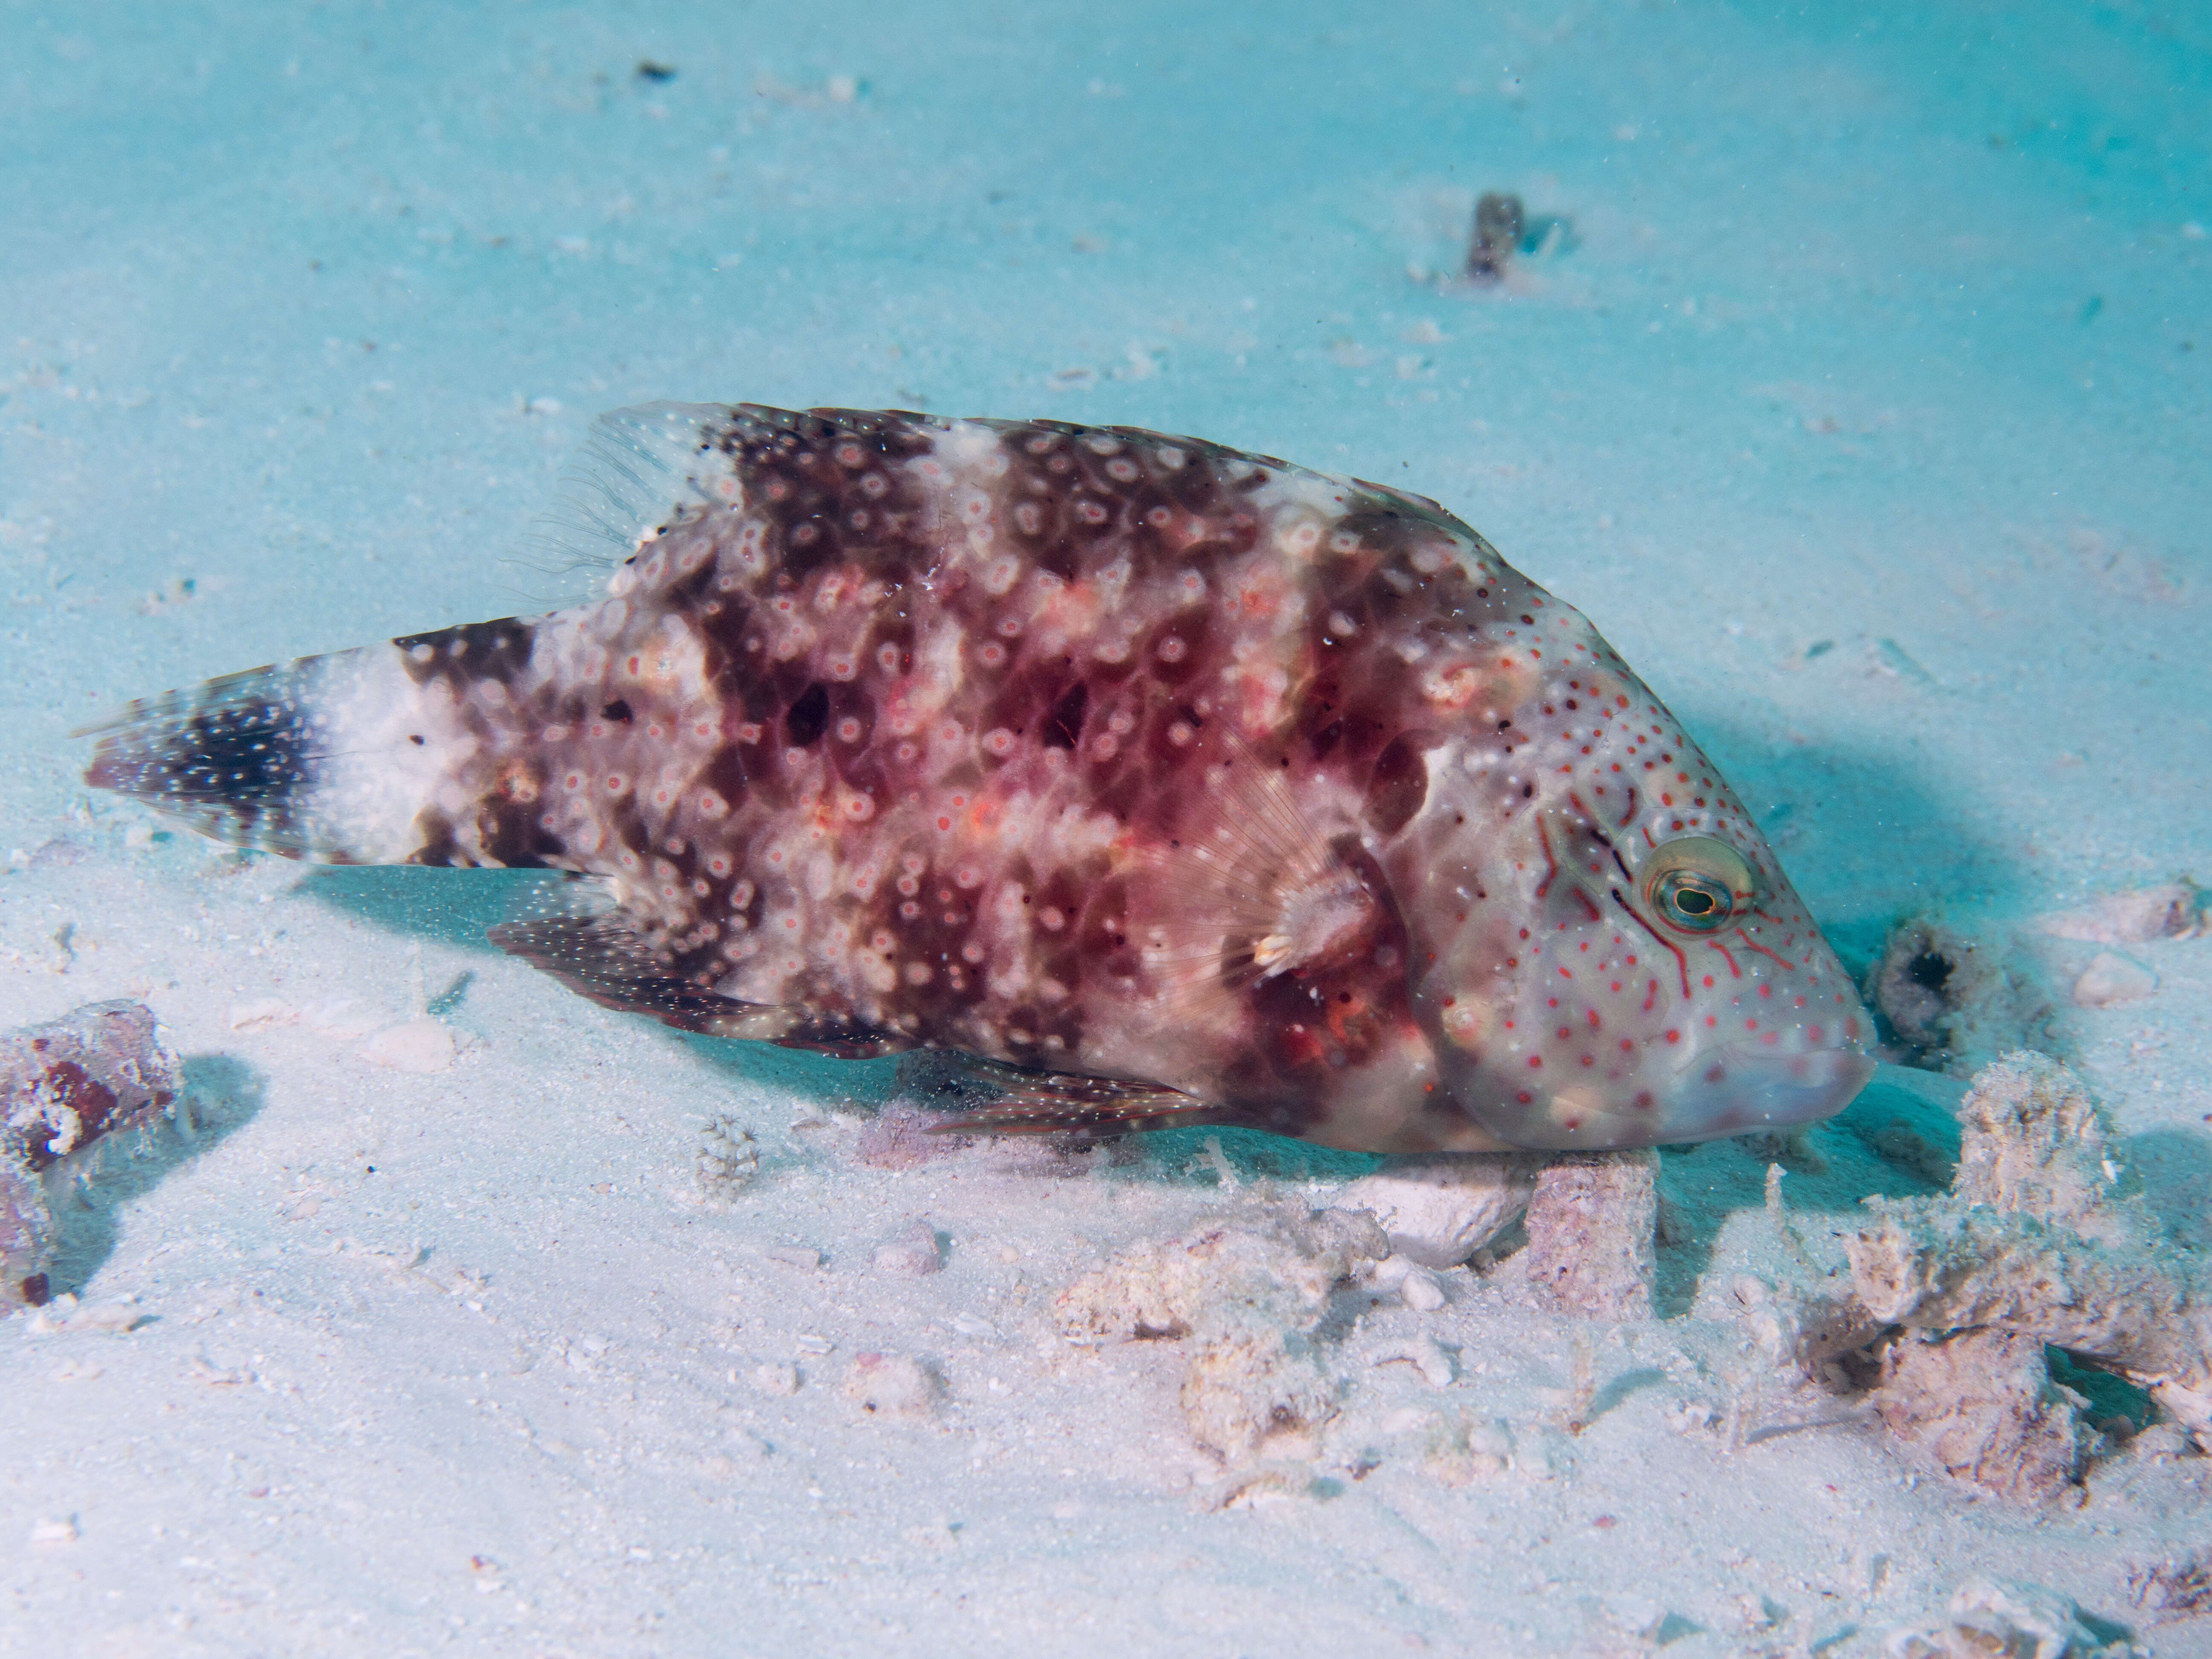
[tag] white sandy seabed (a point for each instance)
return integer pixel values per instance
(1860, 398)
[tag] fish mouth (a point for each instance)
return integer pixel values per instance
(1742, 1088)
(1734, 1091)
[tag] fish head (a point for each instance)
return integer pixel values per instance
(1605, 952)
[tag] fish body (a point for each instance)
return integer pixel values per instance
(1169, 782)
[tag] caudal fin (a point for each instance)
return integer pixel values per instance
(236, 758)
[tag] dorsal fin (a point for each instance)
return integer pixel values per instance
(638, 467)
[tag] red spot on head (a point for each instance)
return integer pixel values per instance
(1534, 1061)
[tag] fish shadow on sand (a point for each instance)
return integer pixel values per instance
(1898, 1139)
(88, 1195)
(458, 907)
(2175, 1166)
(454, 907)
(821, 1080)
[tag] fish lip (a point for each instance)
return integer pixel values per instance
(1759, 1088)
(1764, 1087)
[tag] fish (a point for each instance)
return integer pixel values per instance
(1154, 781)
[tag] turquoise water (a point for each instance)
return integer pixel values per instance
(1861, 395)
(1873, 336)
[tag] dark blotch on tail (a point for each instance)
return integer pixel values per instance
(233, 757)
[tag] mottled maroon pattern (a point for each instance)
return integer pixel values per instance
(1008, 946)
(1278, 796)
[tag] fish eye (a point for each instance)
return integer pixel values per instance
(1697, 885)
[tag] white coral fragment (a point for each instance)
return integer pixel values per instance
(1439, 1212)
(2111, 978)
(728, 1159)
(2168, 911)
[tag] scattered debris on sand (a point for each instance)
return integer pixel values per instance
(1497, 227)
(1464, 1450)
(2174, 909)
(2009, 1330)
(2042, 1239)
(1994, 1616)
(1246, 1297)
(1952, 1002)
(891, 1385)
(95, 1072)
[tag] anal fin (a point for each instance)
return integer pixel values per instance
(604, 958)
(601, 957)
(1060, 1102)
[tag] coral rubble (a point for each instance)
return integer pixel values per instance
(1951, 1002)
(1994, 1616)
(1983, 1406)
(2041, 1239)
(98, 1070)
(1591, 1222)
(1246, 1297)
